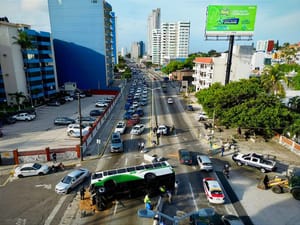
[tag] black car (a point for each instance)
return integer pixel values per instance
(89, 120)
(185, 157)
(9, 120)
(96, 112)
(63, 121)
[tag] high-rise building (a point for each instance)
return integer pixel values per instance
(156, 46)
(137, 50)
(114, 38)
(153, 23)
(175, 39)
(26, 64)
(83, 34)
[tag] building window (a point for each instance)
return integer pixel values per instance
(94, 1)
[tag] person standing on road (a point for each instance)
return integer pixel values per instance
(82, 192)
(222, 150)
(54, 157)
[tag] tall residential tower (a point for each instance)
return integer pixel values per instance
(153, 23)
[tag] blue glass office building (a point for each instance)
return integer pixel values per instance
(82, 37)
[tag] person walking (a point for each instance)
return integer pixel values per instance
(169, 194)
(176, 187)
(222, 150)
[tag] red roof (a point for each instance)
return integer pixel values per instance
(206, 60)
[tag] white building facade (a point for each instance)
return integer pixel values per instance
(156, 46)
(153, 23)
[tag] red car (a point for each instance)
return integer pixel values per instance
(135, 119)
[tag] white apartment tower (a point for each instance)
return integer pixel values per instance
(175, 39)
(153, 23)
(156, 46)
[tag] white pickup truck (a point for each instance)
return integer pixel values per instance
(24, 117)
(261, 162)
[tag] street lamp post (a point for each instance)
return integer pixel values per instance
(80, 127)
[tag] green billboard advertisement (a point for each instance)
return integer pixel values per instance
(224, 20)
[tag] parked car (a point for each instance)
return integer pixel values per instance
(170, 101)
(70, 181)
(9, 120)
(31, 169)
(73, 130)
(86, 120)
(96, 112)
(63, 121)
(140, 112)
(204, 162)
(213, 191)
(120, 127)
(69, 98)
(116, 144)
(101, 104)
(53, 103)
(24, 117)
(231, 220)
(137, 129)
(265, 163)
(185, 157)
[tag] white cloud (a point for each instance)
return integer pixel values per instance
(34, 5)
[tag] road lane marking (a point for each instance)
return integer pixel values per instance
(193, 196)
(55, 210)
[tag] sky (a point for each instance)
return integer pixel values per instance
(275, 19)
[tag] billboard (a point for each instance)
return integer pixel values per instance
(226, 20)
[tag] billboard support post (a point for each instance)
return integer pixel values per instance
(229, 60)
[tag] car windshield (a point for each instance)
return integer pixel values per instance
(115, 141)
(119, 125)
(37, 166)
(216, 192)
(67, 180)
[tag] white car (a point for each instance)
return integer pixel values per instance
(69, 98)
(162, 129)
(24, 117)
(137, 129)
(213, 191)
(170, 101)
(31, 169)
(120, 127)
(73, 130)
(71, 180)
(101, 104)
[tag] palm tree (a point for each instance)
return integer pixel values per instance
(24, 40)
(18, 96)
(271, 79)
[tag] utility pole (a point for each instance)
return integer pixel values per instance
(80, 126)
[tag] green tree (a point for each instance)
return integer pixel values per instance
(24, 40)
(271, 79)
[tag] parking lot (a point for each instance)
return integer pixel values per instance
(41, 132)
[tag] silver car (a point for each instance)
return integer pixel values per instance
(72, 180)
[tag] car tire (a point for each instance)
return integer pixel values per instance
(41, 174)
(20, 176)
(68, 191)
(239, 163)
(277, 189)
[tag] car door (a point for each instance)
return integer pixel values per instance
(28, 171)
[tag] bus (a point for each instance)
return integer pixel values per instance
(131, 182)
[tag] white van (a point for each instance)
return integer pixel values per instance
(204, 162)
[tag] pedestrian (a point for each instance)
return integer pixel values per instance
(54, 157)
(162, 190)
(82, 192)
(222, 150)
(142, 145)
(239, 131)
(139, 145)
(169, 194)
(226, 170)
(147, 202)
(176, 187)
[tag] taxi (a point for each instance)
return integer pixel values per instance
(213, 191)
